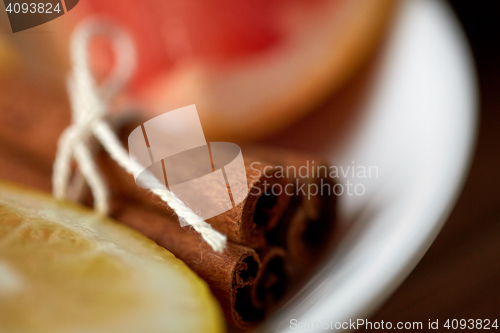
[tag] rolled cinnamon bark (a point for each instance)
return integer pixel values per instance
(306, 233)
(246, 223)
(230, 275)
(307, 228)
(272, 281)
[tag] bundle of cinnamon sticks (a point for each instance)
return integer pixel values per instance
(277, 234)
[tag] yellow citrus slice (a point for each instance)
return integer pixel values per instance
(66, 269)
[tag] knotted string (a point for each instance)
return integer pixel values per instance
(89, 104)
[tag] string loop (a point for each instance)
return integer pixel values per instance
(89, 105)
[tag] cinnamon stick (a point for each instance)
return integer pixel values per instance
(305, 236)
(246, 223)
(271, 282)
(306, 230)
(230, 275)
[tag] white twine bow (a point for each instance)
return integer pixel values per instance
(89, 104)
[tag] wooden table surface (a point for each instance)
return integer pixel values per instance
(459, 277)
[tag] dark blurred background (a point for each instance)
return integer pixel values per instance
(459, 277)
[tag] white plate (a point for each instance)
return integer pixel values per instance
(418, 127)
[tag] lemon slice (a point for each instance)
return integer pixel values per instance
(65, 269)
